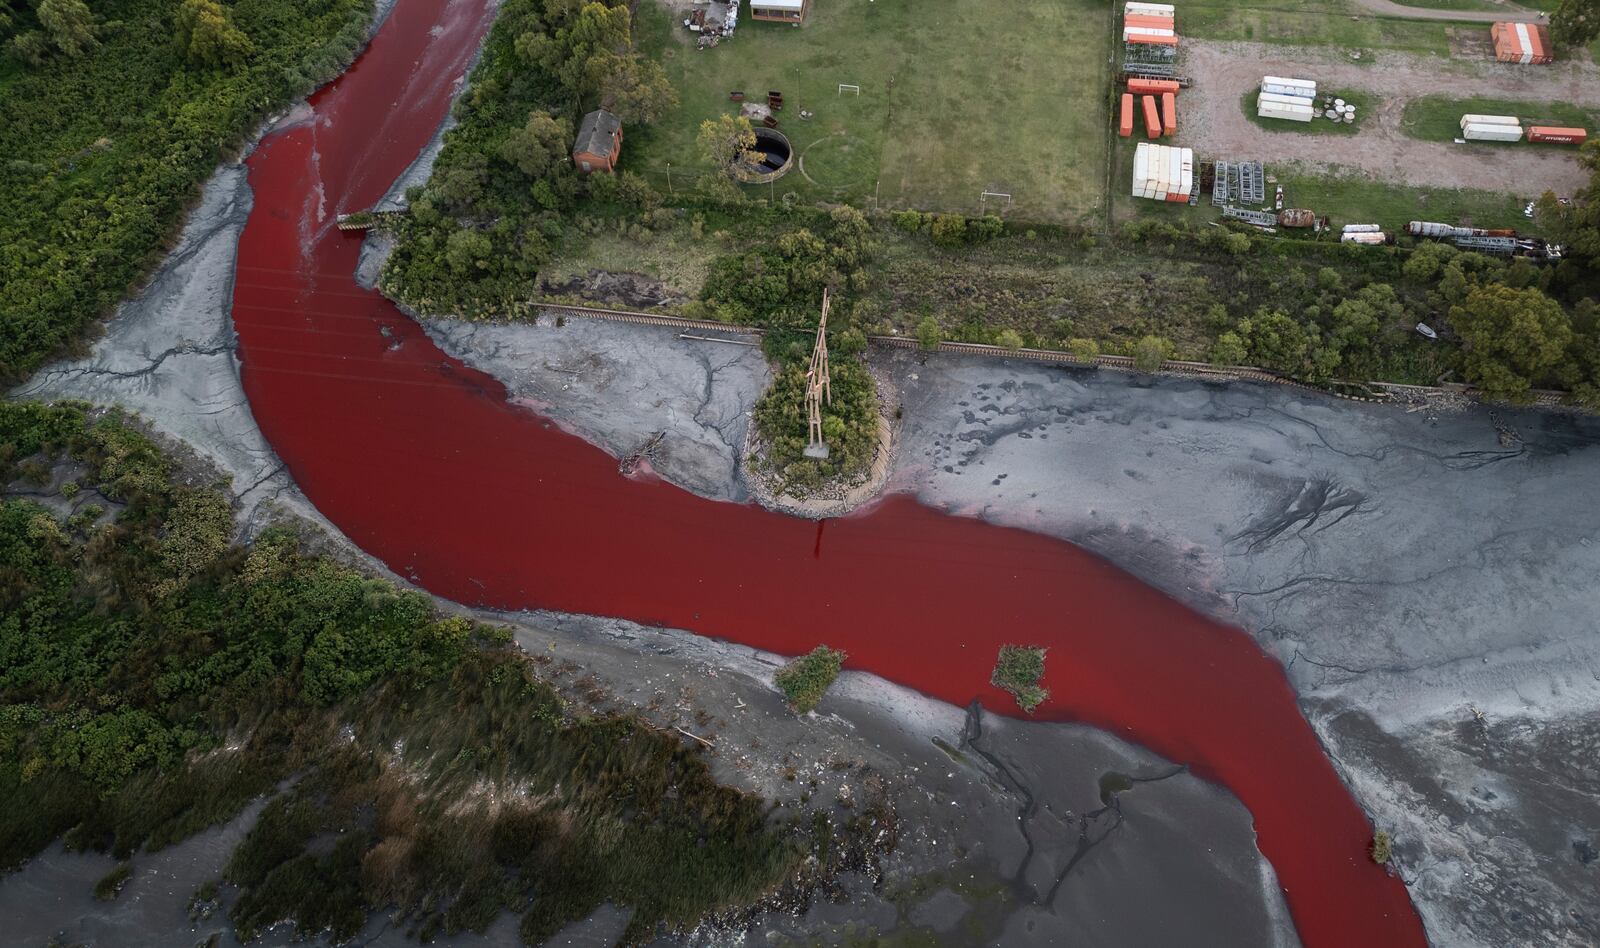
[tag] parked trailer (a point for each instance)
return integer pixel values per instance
(1152, 119)
(1152, 86)
(1492, 133)
(1474, 119)
(1169, 113)
(1550, 134)
(1125, 126)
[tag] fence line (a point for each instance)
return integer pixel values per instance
(1173, 367)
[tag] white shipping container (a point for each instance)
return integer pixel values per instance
(1308, 84)
(1141, 168)
(1131, 31)
(1362, 228)
(1293, 113)
(1362, 237)
(1526, 42)
(1492, 133)
(1474, 119)
(1133, 8)
(1281, 99)
(1295, 91)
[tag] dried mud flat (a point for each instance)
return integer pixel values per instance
(1214, 124)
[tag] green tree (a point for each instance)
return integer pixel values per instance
(1276, 341)
(467, 250)
(635, 89)
(1511, 338)
(1009, 339)
(1427, 260)
(1086, 350)
(537, 146)
(1575, 23)
(69, 24)
(1229, 349)
(207, 35)
(1151, 353)
(928, 333)
(728, 141)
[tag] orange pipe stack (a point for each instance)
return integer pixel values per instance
(1152, 119)
(1125, 128)
(1169, 113)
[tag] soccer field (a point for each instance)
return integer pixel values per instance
(957, 98)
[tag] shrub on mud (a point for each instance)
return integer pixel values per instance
(806, 679)
(1018, 670)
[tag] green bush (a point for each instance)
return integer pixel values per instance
(806, 679)
(1019, 669)
(949, 230)
(928, 333)
(1085, 350)
(1151, 353)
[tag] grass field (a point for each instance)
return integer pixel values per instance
(1335, 23)
(956, 99)
(1438, 118)
(1366, 104)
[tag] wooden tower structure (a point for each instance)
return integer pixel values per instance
(818, 388)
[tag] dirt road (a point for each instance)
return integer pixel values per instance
(1215, 125)
(1509, 12)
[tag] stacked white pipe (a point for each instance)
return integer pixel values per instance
(1163, 173)
(1289, 99)
(1491, 128)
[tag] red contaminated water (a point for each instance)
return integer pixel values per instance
(424, 463)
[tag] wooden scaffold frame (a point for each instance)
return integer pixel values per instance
(818, 387)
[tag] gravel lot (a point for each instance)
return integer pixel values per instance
(1213, 124)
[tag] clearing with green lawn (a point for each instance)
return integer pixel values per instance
(955, 99)
(1438, 117)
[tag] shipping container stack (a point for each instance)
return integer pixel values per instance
(1524, 43)
(1158, 106)
(1163, 173)
(1149, 32)
(1289, 99)
(1491, 128)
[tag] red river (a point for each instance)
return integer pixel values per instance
(424, 463)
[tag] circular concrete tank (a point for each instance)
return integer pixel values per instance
(777, 157)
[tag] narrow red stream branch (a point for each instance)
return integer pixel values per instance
(424, 463)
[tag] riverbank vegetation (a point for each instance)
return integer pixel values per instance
(482, 233)
(155, 676)
(806, 679)
(1019, 669)
(111, 118)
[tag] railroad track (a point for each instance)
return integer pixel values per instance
(1375, 391)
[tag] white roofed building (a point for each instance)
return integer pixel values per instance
(782, 11)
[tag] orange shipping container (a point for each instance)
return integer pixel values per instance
(1143, 86)
(1152, 121)
(1151, 22)
(1126, 127)
(1176, 198)
(1557, 136)
(1169, 113)
(1151, 40)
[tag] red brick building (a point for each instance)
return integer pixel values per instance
(599, 143)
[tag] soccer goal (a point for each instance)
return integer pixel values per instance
(848, 87)
(984, 196)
